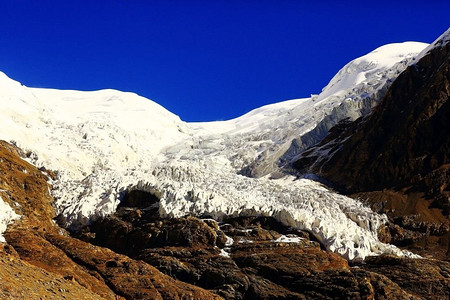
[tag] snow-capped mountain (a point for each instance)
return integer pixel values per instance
(103, 143)
(403, 140)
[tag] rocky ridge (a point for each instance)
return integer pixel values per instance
(397, 159)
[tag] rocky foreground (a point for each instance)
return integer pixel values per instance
(134, 254)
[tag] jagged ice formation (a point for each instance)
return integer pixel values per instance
(103, 143)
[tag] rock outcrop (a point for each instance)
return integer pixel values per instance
(22, 280)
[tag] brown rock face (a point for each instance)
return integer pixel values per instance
(249, 258)
(433, 281)
(33, 248)
(398, 158)
(132, 279)
(21, 280)
(414, 223)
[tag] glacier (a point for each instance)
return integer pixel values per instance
(101, 144)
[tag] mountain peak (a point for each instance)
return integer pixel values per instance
(370, 65)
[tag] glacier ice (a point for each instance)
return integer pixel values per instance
(103, 143)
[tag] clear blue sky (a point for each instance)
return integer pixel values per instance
(203, 60)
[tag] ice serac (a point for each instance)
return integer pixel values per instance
(103, 143)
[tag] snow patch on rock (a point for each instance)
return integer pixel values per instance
(7, 215)
(290, 238)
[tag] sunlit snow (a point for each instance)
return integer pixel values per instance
(103, 143)
(7, 215)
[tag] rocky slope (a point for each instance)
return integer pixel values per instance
(22, 280)
(398, 158)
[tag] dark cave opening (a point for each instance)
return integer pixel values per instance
(137, 199)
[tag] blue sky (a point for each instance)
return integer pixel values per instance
(203, 60)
